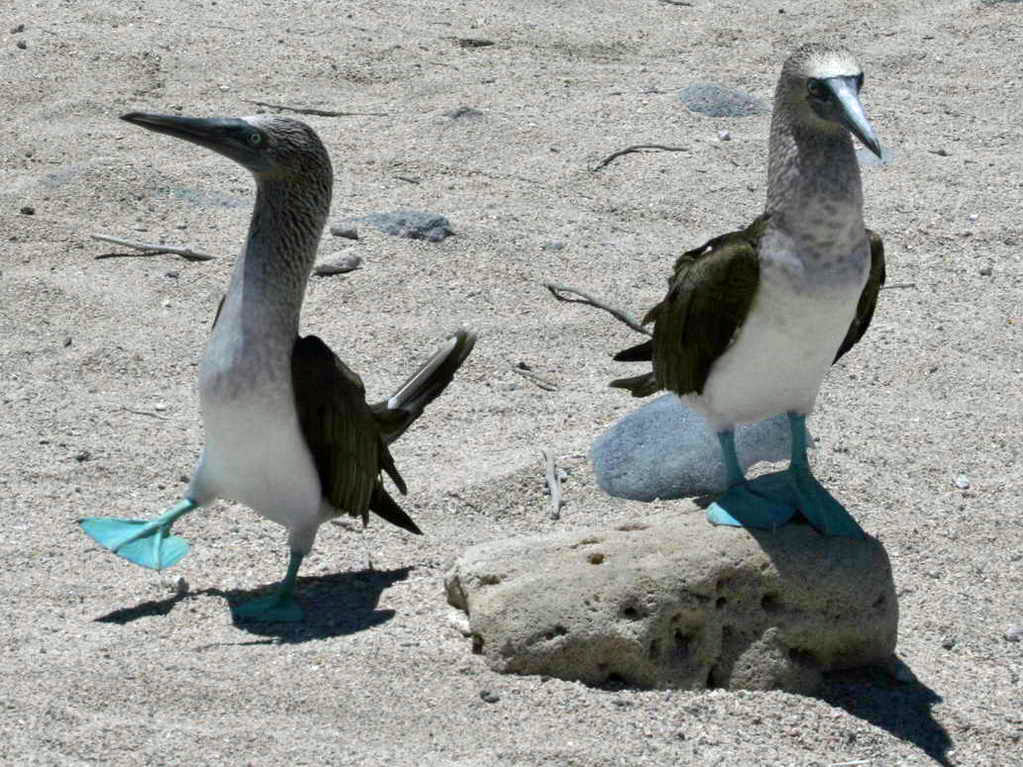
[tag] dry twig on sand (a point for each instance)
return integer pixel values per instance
(583, 298)
(150, 413)
(637, 148)
(540, 381)
(553, 483)
(149, 249)
(314, 110)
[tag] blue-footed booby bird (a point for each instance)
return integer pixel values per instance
(288, 430)
(753, 319)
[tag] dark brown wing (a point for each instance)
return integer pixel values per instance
(343, 435)
(868, 298)
(709, 295)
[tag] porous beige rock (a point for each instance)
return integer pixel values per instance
(674, 602)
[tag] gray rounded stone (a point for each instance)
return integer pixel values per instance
(667, 450)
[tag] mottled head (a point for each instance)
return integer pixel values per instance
(819, 89)
(273, 148)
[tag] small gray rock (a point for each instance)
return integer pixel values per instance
(1014, 634)
(346, 263)
(348, 232)
(553, 245)
(667, 450)
(962, 482)
(27, 210)
(464, 112)
(489, 696)
(713, 100)
(413, 224)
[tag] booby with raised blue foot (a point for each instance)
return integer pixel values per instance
(753, 319)
(288, 430)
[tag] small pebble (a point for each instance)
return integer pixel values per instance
(948, 643)
(553, 245)
(82, 456)
(67, 341)
(724, 135)
(972, 217)
(22, 44)
(27, 210)
(160, 407)
(986, 271)
(173, 275)
(461, 112)
(166, 304)
(181, 586)
(1014, 633)
(340, 265)
(962, 482)
(488, 696)
(17, 30)
(940, 152)
(342, 230)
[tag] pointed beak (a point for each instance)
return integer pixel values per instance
(851, 112)
(223, 135)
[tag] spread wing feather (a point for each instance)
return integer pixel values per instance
(343, 435)
(709, 295)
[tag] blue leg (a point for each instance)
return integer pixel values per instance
(148, 544)
(279, 607)
(762, 503)
(821, 510)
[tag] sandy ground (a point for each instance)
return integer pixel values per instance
(104, 663)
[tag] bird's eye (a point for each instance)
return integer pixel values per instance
(818, 90)
(255, 138)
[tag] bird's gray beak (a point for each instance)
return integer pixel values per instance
(224, 135)
(851, 111)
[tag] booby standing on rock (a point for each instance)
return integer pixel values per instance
(288, 429)
(753, 319)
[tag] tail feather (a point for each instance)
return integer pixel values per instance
(397, 413)
(640, 386)
(385, 507)
(643, 352)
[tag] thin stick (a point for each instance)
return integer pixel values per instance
(638, 148)
(540, 381)
(553, 483)
(557, 290)
(897, 285)
(149, 249)
(143, 412)
(314, 111)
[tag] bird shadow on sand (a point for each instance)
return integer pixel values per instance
(335, 605)
(901, 708)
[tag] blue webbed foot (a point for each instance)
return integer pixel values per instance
(146, 543)
(764, 503)
(820, 508)
(279, 607)
(276, 608)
